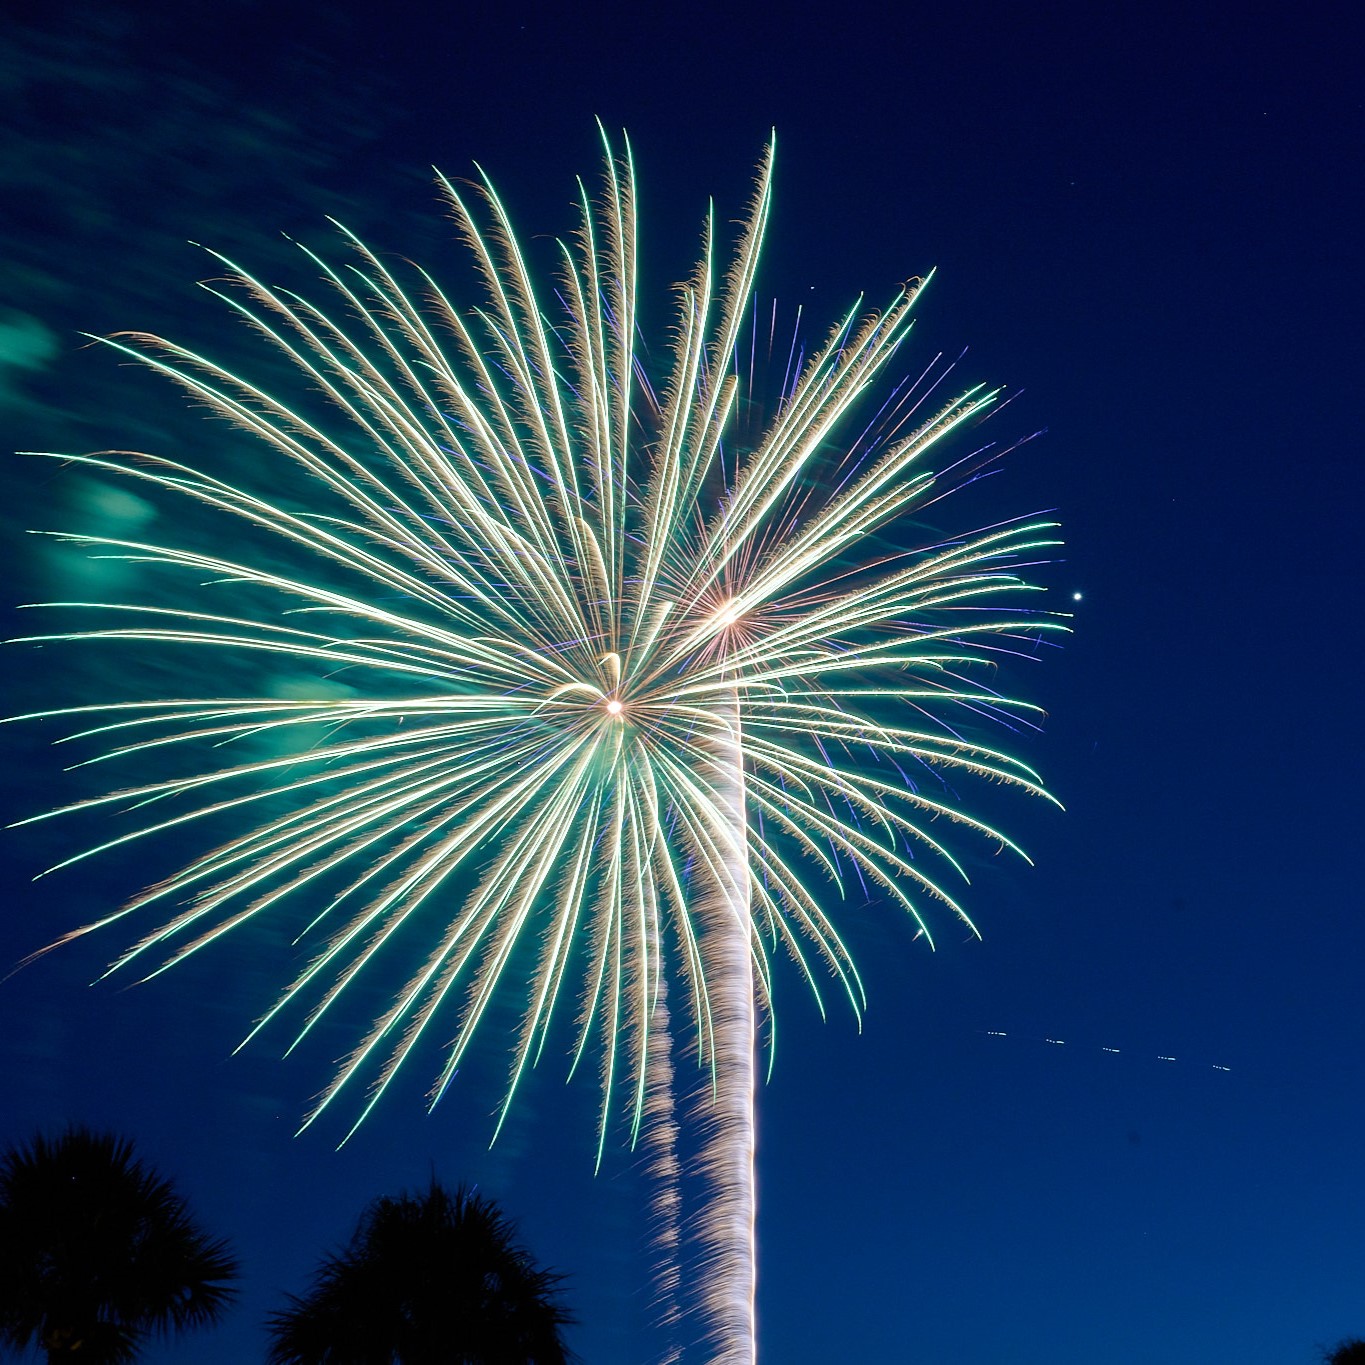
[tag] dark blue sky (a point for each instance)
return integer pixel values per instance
(1146, 221)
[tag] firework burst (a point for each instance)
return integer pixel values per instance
(602, 695)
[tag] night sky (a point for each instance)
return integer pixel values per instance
(1146, 224)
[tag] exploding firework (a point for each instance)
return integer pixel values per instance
(600, 694)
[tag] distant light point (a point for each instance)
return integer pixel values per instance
(1075, 597)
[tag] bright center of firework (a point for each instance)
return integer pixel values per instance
(727, 613)
(614, 707)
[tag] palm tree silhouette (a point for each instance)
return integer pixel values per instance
(1349, 1352)
(97, 1252)
(426, 1278)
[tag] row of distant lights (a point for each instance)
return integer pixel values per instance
(1061, 1042)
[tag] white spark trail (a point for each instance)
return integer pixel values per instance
(538, 669)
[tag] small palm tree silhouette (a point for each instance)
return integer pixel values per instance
(426, 1278)
(98, 1252)
(1348, 1352)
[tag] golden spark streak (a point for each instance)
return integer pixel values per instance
(590, 691)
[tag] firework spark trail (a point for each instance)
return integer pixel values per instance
(661, 1160)
(727, 1258)
(587, 688)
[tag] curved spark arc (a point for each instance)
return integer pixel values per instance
(606, 695)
